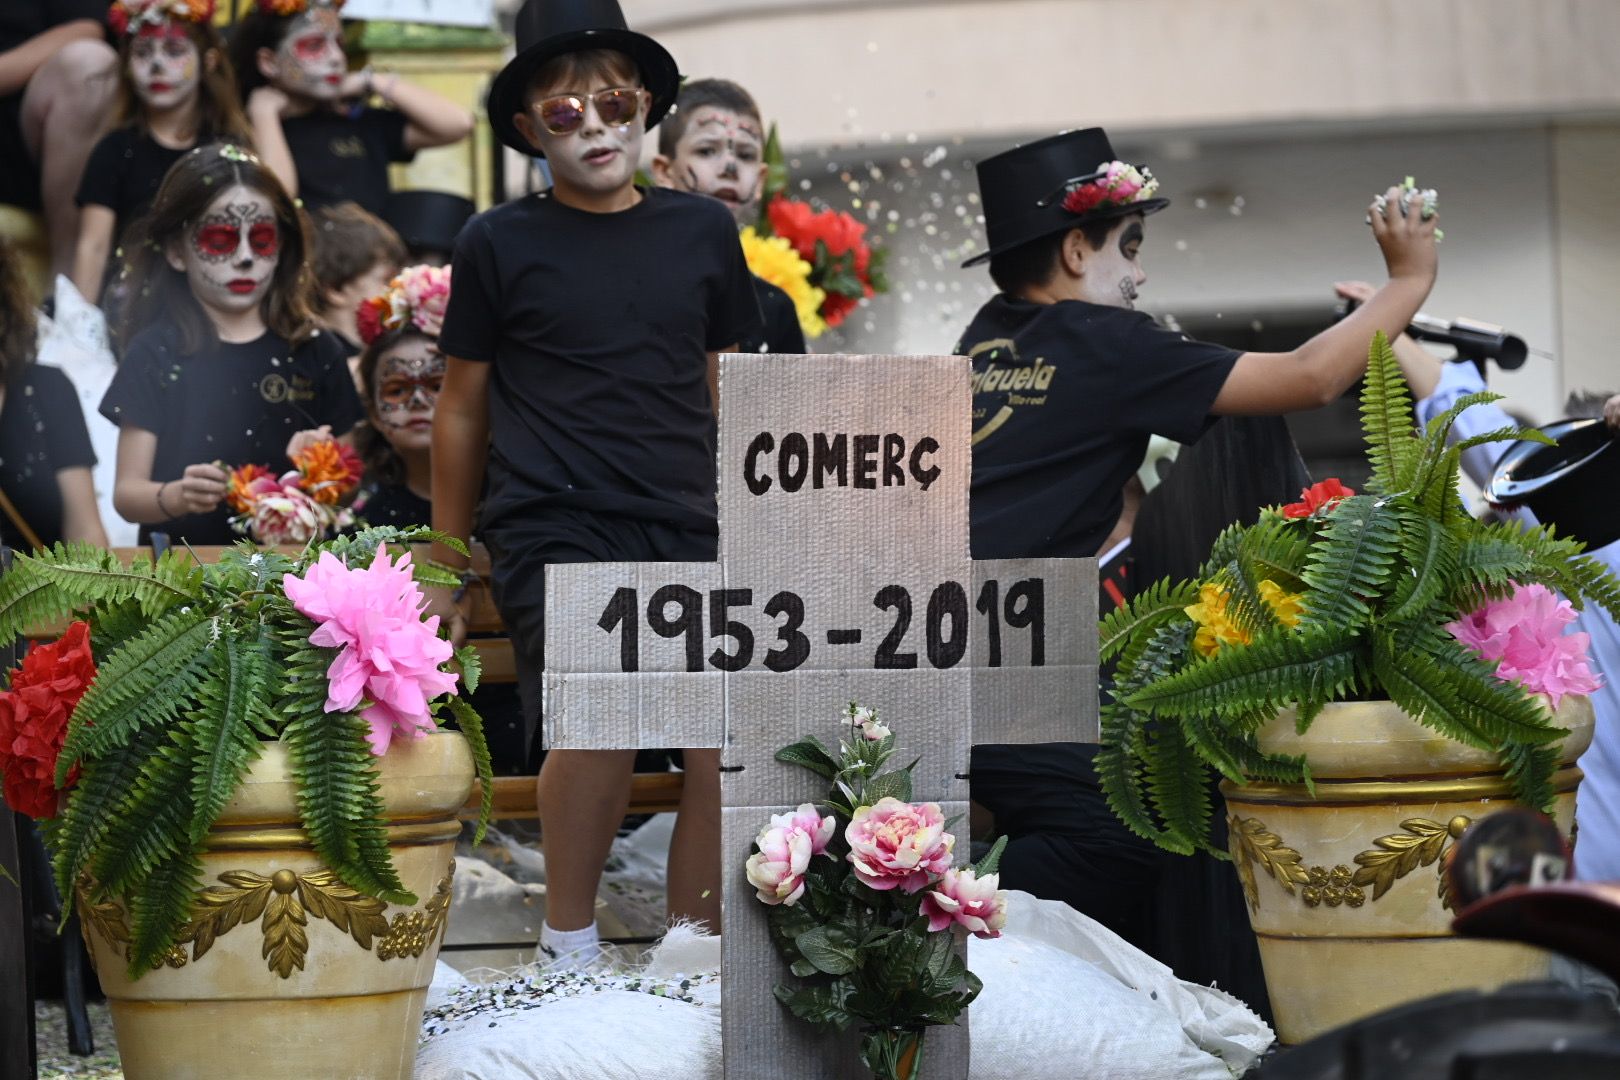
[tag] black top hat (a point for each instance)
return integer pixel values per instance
(1570, 486)
(547, 29)
(428, 220)
(1023, 189)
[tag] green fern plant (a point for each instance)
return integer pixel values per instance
(1347, 600)
(196, 667)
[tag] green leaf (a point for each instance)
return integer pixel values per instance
(1386, 419)
(820, 1005)
(892, 785)
(992, 858)
(829, 950)
(1351, 563)
(1157, 605)
(150, 826)
(472, 668)
(810, 754)
(222, 739)
(103, 785)
(1318, 664)
(472, 728)
(159, 910)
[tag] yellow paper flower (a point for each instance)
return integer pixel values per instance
(1215, 629)
(1285, 605)
(773, 258)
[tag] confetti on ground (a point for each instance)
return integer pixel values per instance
(50, 1036)
(525, 991)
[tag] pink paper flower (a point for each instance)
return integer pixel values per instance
(969, 901)
(898, 845)
(426, 291)
(786, 847)
(390, 655)
(1524, 635)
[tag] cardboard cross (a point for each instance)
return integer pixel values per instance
(844, 574)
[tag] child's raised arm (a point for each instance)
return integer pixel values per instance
(265, 108)
(433, 120)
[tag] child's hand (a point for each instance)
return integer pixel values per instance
(201, 488)
(1405, 235)
(452, 613)
(303, 440)
(1611, 411)
(267, 101)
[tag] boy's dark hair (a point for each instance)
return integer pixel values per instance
(376, 452)
(219, 104)
(348, 241)
(574, 69)
(162, 293)
(720, 93)
(17, 326)
(1031, 265)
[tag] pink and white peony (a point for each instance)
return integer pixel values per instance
(898, 845)
(777, 870)
(969, 901)
(285, 516)
(390, 656)
(1525, 635)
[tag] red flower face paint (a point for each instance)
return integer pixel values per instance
(233, 251)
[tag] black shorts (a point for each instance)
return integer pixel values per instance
(19, 172)
(519, 553)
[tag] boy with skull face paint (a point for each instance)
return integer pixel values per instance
(1069, 384)
(713, 144)
(582, 340)
(310, 114)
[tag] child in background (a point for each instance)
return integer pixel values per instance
(356, 255)
(575, 345)
(714, 144)
(175, 92)
(401, 372)
(310, 116)
(228, 368)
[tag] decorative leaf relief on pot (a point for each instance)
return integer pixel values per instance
(283, 904)
(1420, 843)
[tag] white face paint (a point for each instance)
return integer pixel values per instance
(164, 66)
(407, 383)
(310, 61)
(1112, 277)
(230, 255)
(722, 154)
(594, 159)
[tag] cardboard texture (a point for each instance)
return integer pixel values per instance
(844, 574)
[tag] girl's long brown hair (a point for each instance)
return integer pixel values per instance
(17, 325)
(161, 293)
(219, 108)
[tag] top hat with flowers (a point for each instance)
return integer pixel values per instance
(130, 16)
(417, 298)
(547, 29)
(1054, 185)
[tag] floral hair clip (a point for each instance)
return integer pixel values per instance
(296, 7)
(417, 297)
(129, 16)
(1115, 183)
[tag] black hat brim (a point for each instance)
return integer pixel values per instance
(659, 75)
(1105, 213)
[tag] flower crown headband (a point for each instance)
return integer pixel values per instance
(417, 297)
(296, 7)
(130, 16)
(1114, 183)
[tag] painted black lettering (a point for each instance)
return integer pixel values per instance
(793, 463)
(949, 601)
(762, 444)
(894, 598)
(894, 453)
(830, 459)
(924, 477)
(866, 448)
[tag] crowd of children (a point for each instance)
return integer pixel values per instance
(559, 400)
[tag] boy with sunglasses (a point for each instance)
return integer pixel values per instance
(714, 144)
(581, 343)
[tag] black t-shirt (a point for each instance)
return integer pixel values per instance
(1065, 397)
(392, 504)
(783, 332)
(41, 433)
(598, 326)
(124, 172)
(343, 159)
(237, 404)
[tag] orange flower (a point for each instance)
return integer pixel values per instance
(330, 470)
(239, 491)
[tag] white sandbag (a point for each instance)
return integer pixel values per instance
(74, 340)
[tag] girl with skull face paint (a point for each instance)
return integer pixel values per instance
(224, 365)
(176, 91)
(311, 116)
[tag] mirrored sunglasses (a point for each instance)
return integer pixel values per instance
(565, 113)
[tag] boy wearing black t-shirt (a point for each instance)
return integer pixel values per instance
(582, 338)
(1069, 384)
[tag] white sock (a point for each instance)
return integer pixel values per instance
(578, 947)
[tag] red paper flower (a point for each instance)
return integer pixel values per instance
(1322, 496)
(834, 244)
(34, 716)
(118, 19)
(370, 318)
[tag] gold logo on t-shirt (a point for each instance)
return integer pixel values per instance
(1022, 384)
(273, 388)
(347, 146)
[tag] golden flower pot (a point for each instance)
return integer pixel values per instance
(1346, 889)
(284, 970)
